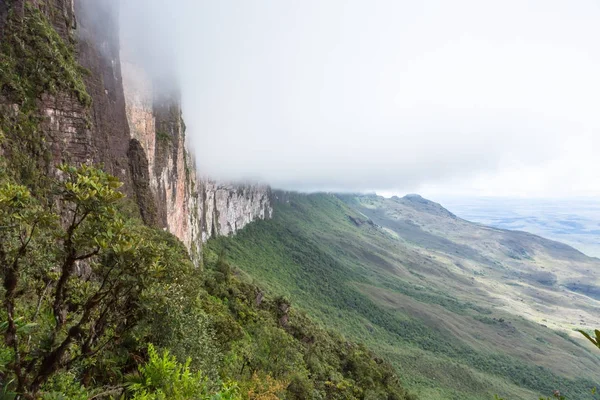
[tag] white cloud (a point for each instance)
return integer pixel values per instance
(443, 97)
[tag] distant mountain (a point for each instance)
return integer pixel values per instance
(419, 203)
(462, 310)
(575, 222)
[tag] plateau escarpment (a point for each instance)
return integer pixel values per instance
(110, 113)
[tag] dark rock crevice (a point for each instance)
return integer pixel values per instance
(138, 164)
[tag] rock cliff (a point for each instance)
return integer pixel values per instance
(137, 133)
(169, 189)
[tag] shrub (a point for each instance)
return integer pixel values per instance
(162, 378)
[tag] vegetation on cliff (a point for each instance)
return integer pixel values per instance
(34, 60)
(86, 287)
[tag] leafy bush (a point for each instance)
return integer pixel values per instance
(162, 378)
(82, 283)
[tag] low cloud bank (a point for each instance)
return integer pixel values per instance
(391, 95)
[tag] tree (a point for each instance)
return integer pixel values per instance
(75, 272)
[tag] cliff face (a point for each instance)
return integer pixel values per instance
(170, 191)
(137, 133)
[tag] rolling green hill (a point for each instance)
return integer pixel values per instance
(461, 310)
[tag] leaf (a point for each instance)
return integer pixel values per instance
(588, 337)
(27, 328)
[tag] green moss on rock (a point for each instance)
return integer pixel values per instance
(34, 60)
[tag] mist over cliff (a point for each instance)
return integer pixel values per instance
(432, 97)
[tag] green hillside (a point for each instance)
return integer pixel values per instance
(394, 284)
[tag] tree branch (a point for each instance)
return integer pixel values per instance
(88, 255)
(114, 391)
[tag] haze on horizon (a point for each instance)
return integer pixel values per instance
(441, 98)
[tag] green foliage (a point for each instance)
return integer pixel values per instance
(162, 378)
(188, 333)
(64, 386)
(175, 318)
(163, 136)
(555, 395)
(86, 287)
(269, 338)
(35, 60)
(79, 280)
(594, 340)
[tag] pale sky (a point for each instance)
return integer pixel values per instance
(467, 97)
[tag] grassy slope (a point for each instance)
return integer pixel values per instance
(373, 286)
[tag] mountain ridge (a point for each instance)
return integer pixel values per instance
(416, 200)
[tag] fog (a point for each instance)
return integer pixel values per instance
(439, 97)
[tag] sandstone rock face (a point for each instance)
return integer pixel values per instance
(66, 126)
(135, 132)
(190, 206)
(229, 208)
(179, 199)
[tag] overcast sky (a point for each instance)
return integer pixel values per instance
(437, 97)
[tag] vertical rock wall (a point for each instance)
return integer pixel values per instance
(170, 191)
(190, 206)
(97, 44)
